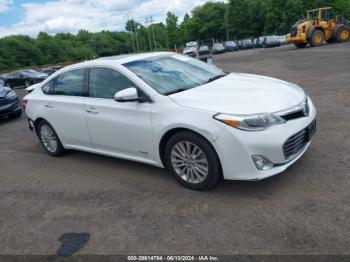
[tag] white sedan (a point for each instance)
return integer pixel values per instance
(172, 111)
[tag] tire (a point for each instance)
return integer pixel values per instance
(343, 34)
(49, 139)
(317, 38)
(193, 161)
(301, 45)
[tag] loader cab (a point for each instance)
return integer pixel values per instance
(320, 14)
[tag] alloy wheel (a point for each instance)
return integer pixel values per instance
(48, 138)
(189, 162)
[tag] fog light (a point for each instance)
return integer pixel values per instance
(262, 163)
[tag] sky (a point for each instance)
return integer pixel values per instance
(29, 17)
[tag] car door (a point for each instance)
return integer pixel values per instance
(64, 108)
(117, 128)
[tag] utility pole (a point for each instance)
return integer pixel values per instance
(132, 40)
(154, 38)
(149, 37)
(137, 41)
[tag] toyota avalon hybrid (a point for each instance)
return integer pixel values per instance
(173, 111)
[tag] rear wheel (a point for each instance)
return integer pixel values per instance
(317, 38)
(343, 34)
(49, 139)
(301, 45)
(193, 161)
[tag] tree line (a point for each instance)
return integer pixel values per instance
(236, 19)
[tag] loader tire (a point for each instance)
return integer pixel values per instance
(317, 38)
(343, 34)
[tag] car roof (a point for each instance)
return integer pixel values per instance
(118, 59)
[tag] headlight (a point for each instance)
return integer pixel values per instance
(11, 94)
(250, 122)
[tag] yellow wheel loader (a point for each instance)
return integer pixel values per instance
(319, 26)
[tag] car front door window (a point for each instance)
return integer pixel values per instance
(105, 82)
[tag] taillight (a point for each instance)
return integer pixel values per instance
(24, 103)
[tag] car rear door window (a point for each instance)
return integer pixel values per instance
(105, 82)
(70, 83)
(47, 88)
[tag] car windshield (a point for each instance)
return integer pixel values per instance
(230, 43)
(247, 41)
(175, 73)
(218, 46)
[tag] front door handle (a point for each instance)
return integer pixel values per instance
(49, 106)
(92, 111)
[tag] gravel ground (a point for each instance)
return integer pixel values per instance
(131, 208)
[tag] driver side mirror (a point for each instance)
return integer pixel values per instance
(127, 95)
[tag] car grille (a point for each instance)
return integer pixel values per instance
(298, 141)
(295, 143)
(293, 115)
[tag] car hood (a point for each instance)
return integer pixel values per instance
(4, 90)
(239, 93)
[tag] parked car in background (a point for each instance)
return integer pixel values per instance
(50, 70)
(204, 53)
(218, 48)
(246, 44)
(9, 102)
(258, 42)
(230, 46)
(191, 49)
(25, 78)
(172, 111)
(271, 41)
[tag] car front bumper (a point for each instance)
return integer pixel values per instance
(236, 147)
(9, 107)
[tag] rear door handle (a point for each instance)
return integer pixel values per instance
(92, 111)
(49, 106)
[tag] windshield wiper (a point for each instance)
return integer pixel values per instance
(211, 79)
(175, 91)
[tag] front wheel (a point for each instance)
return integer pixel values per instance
(317, 38)
(193, 161)
(49, 139)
